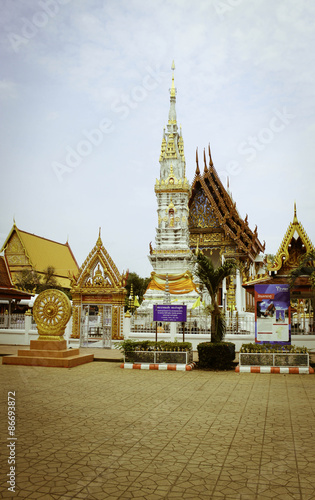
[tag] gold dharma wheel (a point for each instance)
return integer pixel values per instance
(51, 311)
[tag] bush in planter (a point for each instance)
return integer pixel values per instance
(272, 348)
(129, 345)
(219, 355)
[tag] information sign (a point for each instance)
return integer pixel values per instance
(170, 313)
(272, 314)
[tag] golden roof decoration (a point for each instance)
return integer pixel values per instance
(171, 207)
(163, 146)
(223, 209)
(172, 183)
(98, 271)
(294, 232)
(170, 149)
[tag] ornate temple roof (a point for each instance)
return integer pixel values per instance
(7, 290)
(212, 208)
(24, 250)
(98, 272)
(295, 243)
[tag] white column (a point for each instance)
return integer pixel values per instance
(28, 326)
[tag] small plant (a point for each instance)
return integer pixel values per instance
(271, 348)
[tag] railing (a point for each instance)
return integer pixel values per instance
(242, 324)
(302, 324)
(12, 321)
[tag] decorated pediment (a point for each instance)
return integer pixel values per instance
(98, 272)
(294, 245)
(201, 214)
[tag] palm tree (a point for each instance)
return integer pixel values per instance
(306, 267)
(212, 278)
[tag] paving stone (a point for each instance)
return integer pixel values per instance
(99, 432)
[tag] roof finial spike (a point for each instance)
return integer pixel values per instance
(210, 161)
(295, 220)
(228, 183)
(99, 241)
(205, 161)
(197, 162)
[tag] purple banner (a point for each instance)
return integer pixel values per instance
(170, 313)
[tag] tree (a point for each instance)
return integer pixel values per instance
(28, 280)
(212, 278)
(49, 280)
(306, 267)
(139, 286)
(32, 281)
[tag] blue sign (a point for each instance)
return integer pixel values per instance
(170, 313)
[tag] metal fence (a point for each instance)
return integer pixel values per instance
(12, 321)
(243, 324)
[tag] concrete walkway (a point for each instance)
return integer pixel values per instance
(100, 432)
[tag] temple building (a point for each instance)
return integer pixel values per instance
(217, 229)
(26, 251)
(295, 244)
(10, 296)
(171, 257)
(98, 297)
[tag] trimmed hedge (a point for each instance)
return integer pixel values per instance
(129, 345)
(219, 356)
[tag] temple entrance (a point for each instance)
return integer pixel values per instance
(96, 326)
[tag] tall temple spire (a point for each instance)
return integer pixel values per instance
(172, 114)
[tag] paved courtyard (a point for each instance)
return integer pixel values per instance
(97, 431)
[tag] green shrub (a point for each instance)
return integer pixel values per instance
(128, 345)
(218, 356)
(273, 348)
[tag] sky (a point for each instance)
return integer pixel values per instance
(84, 96)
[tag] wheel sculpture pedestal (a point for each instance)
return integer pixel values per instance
(51, 311)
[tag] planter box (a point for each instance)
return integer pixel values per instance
(183, 357)
(273, 359)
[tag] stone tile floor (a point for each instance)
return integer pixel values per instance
(100, 432)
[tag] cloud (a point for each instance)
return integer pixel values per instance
(8, 90)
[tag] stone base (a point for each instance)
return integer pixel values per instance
(51, 353)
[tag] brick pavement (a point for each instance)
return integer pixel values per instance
(100, 432)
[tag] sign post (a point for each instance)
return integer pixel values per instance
(167, 313)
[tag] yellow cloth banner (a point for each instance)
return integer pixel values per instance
(178, 284)
(196, 304)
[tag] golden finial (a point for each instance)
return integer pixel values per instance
(205, 161)
(197, 162)
(99, 241)
(210, 162)
(173, 90)
(295, 216)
